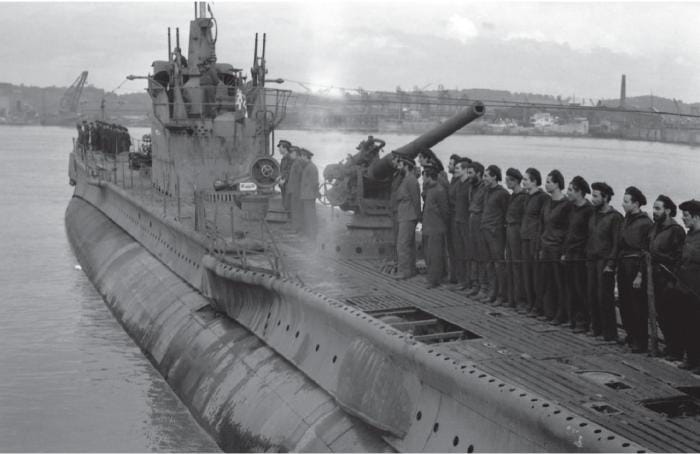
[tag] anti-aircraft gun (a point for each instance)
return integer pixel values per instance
(362, 183)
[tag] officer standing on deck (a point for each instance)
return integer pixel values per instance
(408, 214)
(514, 220)
(294, 188)
(308, 194)
(666, 238)
(285, 167)
(435, 219)
(689, 285)
(631, 270)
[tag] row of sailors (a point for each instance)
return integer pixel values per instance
(553, 253)
(299, 185)
(107, 137)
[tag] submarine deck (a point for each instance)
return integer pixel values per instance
(646, 399)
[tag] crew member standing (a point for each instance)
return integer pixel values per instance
(530, 232)
(285, 167)
(308, 194)
(408, 214)
(435, 219)
(574, 256)
(208, 80)
(294, 188)
(631, 270)
(476, 248)
(689, 285)
(666, 239)
(514, 220)
(396, 179)
(461, 225)
(453, 261)
(603, 238)
(493, 221)
(555, 224)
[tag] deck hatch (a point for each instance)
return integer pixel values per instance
(674, 407)
(424, 327)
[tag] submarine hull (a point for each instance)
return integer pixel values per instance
(242, 392)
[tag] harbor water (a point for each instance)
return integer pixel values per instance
(70, 377)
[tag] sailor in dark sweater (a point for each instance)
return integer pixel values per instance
(575, 253)
(476, 247)
(461, 220)
(493, 222)
(555, 224)
(603, 236)
(453, 262)
(689, 285)
(631, 270)
(666, 239)
(530, 232)
(435, 219)
(514, 249)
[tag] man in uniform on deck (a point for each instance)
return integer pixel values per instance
(461, 225)
(294, 188)
(555, 224)
(514, 220)
(602, 248)
(493, 221)
(574, 255)
(396, 179)
(631, 270)
(530, 232)
(666, 238)
(208, 80)
(308, 194)
(435, 220)
(408, 215)
(477, 249)
(689, 285)
(285, 167)
(453, 264)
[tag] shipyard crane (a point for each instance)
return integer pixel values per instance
(71, 98)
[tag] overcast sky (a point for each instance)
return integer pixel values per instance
(563, 49)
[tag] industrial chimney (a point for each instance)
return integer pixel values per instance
(623, 90)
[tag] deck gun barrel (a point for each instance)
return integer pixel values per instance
(383, 168)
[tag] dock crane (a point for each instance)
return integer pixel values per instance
(71, 98)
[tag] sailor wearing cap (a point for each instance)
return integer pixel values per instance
(408, 214)
(308, 194)
(689, 284)
(436, 216)
(294, 188)
(208, 80)
(285, 165)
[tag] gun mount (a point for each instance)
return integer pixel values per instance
(362, 183)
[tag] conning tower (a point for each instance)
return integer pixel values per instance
(212, 126)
